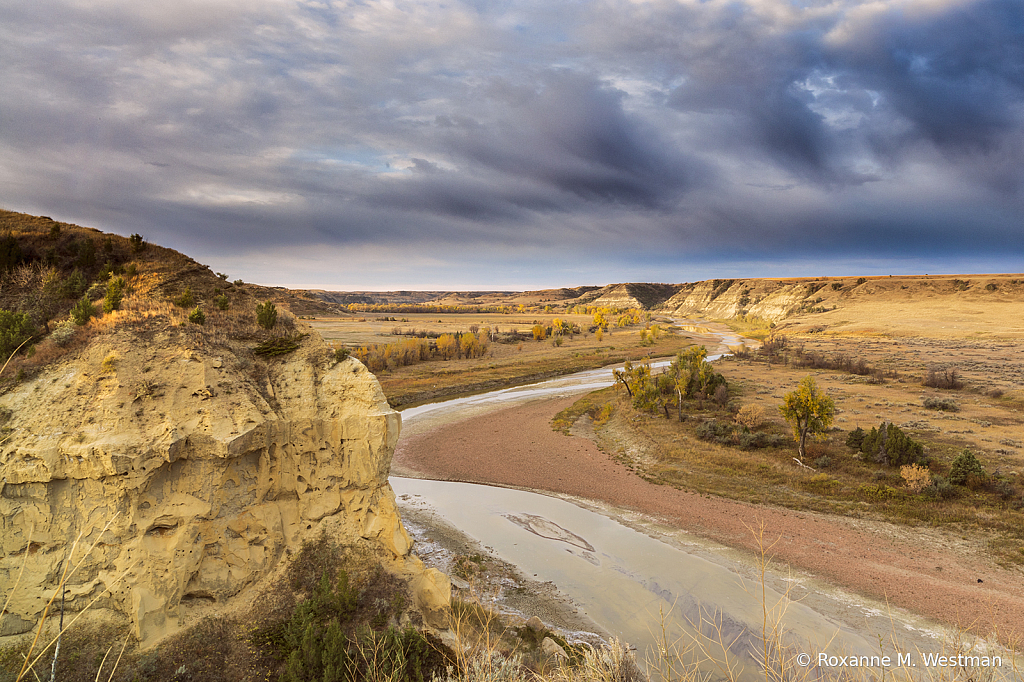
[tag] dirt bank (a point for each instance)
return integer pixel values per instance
(936, 574)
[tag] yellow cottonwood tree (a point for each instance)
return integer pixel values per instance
(808, 410)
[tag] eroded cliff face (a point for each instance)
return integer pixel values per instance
(208, 468)
(724, 299)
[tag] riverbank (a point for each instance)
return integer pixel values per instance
(936, 574)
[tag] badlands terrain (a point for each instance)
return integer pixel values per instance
(194, 474)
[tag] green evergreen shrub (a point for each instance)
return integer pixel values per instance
(888, 444)
(966, 469)
(15, 329)
(72, 286)
(197, 316)
(82, 311)
(855, 438)
(10, 252)
(266, 315)
(115, 293)
(136, 243)
(185, 300)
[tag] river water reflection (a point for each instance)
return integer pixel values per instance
(624, 580)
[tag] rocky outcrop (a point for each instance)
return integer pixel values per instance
(191, 473)
(631, 295)
(727, 298)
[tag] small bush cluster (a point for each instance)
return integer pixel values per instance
(64, 332)
(946, 378)
(266, 315)
(840, 362)
(185, 299)
(114, 295)
(344, 628)
(278, 346)
(966, 470)
(944, 404)
(751, 416)
(916, 477)
(83, 311)
(887, 444)
(15, 330)
(724, 433)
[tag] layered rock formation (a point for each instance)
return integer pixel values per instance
(205, 467)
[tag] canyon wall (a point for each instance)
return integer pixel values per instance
(190, 474)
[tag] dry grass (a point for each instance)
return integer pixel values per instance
(504, 364)
(837, 481)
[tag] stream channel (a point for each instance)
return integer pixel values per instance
(641, 580)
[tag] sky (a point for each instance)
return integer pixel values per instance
(523, 144)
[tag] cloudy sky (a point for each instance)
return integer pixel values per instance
(525, 143)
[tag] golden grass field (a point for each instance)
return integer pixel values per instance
(503, 364)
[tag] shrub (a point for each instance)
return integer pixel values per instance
(115, 292)
(222, 302)
(822, 483)
(266, 315)
(751, 416)
(947, 378)
(136, 243)
(715, 431)
(197, 316)
(888, 444)
(861, 280)
(64, 332)
(185, 300)
(239, 282)
(944, 404)
(279, 346)
(878, 492)
(82, 311)
(942, 489)
(966, 469)
(10, 252)
(87, 254)
(916, 477)
(109, 363)
(72, 286)
(341, 354)
(15, 329)
(96, 291)
(823, 462)
(855, 438)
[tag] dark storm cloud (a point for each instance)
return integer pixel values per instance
(661, 129)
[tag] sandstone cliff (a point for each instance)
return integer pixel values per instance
(209, 466)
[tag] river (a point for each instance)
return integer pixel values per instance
(642, 583)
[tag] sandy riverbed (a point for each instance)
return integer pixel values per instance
(936, 574)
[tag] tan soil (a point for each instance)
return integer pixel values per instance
(936, 574)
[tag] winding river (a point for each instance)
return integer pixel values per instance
(644, 587)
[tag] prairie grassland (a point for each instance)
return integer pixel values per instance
(834, 478)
